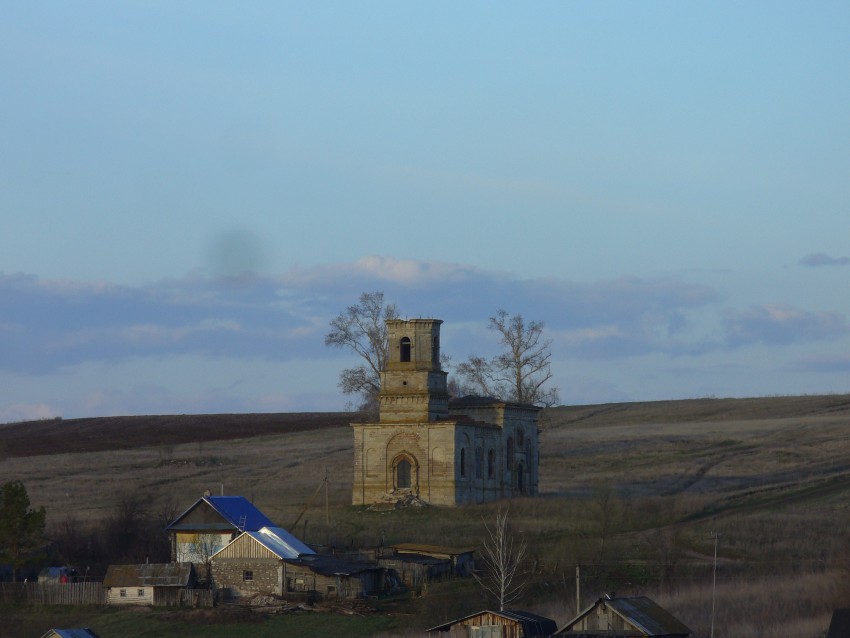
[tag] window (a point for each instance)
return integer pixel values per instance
(520, 438)
(520, 484)
(402, 474)
(404, 354)
(122, 593)
(248, 576)
(463, 462)
(479, 462)
(491, 463)
(510, 456)
(140, 593)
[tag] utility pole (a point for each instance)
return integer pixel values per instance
(578, 592)
(714, 583)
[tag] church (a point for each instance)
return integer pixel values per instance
(441, 451)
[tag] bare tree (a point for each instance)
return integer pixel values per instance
(502, 557)
(521, 372)
(362, 329)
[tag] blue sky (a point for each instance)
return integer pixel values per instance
(190, 191)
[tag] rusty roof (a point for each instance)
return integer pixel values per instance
(149, 575)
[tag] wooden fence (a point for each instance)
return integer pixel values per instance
(53, 594)
(92, 593)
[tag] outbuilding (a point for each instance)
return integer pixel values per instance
(496, 624)
(625, 617)
(148, 584)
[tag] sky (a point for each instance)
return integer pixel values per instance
(190, 192)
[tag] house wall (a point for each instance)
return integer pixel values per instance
(484, 625)
(266, 575)
(131, 595)
(195, 547)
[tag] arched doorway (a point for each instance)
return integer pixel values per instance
(405, 473)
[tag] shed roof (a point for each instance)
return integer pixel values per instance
(429, 550)
(280, 542)
(839, 626)
(642, 613)
(236, 512)
(149, 575)
(331, 566)
(532, 624)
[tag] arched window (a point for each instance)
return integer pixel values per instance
(405, 349)
(402, 474)
(479, 462)
(520, 482)
(520, 438)
(510, 456)
(463, 462)
(435, 351)
(491, 463)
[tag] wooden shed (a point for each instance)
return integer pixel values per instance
(148, 584)
(496, 624)
(626, 617)
(418, 563)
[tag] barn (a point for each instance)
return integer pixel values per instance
(496, 624)
(633, 616)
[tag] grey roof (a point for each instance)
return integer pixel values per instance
(237, 511)
(149, 575)
(532, 624)
(279, 542)
(839, 626)
(641, 612)
(331, 566)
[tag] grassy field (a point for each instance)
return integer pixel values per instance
(632, 493)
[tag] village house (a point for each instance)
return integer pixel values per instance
(148, 584)
(210, 524)
(417, 564)
(495, 624)
(469, 450)
(626, 617)
(273, 562)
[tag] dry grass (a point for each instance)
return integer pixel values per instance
(632, 492)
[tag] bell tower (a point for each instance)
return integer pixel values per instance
(413, 385)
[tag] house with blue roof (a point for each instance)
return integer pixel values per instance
(209, 525)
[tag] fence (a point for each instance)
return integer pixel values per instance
(92, 593)
(53, 594)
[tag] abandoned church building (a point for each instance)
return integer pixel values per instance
(467, 450)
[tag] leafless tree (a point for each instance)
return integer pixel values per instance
(502, 556)
(362, 329)
(520, 373)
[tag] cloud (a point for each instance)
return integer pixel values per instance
(49, 325)
(827, 364)
(816, 260)
(781, 324)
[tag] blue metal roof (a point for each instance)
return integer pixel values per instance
(237, 511)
